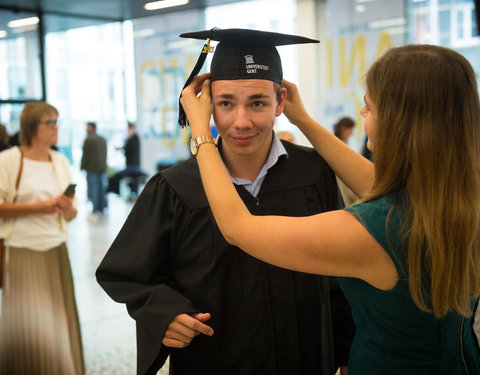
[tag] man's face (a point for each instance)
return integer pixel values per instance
(244, 112)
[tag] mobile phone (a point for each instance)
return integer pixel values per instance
(70, 190)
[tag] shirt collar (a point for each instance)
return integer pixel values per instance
(277, 149)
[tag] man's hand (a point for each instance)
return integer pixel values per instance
(183, 328)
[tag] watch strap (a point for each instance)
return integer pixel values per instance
(205, 139)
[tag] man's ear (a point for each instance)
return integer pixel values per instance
(281, 102)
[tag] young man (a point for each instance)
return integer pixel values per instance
(211, 307)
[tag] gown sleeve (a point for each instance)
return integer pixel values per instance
(137, 271)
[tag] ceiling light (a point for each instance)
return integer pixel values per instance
(360, 8)
(24, 22)
(3, 34)
(164, 4)
(144, 33)
(390, 22)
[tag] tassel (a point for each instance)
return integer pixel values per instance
(182, 117)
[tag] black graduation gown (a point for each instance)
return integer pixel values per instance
(170, 258)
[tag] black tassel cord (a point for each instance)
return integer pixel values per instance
(182, 117)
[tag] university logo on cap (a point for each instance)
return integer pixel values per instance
(251, 67)
(249, 59)
(241, 54)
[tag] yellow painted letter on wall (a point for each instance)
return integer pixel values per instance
(145, 71)
(358, 54)
(330, 63)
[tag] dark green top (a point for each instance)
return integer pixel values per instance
(94, 156)
(393, 335)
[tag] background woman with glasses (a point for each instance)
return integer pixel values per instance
(40, 332)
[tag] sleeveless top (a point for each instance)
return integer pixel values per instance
(393, 335)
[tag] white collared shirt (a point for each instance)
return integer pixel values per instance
(253, 187)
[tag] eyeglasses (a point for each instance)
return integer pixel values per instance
(50, 123)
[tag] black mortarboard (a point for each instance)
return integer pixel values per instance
(241, 54)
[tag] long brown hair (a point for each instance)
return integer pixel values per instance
(428, 144)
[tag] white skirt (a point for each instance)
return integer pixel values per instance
(39, 327)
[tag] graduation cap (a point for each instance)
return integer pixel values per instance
(241, 54)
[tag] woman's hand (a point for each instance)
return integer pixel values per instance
(47, 206)
(294, 108)
(66, 207)
(198, 108)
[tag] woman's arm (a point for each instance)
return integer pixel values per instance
(333, 243)
(353, 169)
(14, 210)
(61, 204)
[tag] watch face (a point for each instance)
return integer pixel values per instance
(193, 146)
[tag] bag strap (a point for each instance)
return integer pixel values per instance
(19, 170)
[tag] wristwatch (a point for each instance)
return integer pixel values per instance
(197, 141)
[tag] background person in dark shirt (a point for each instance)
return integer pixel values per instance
(132, 161)
(4, 137)
(94, 162)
